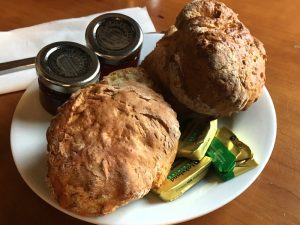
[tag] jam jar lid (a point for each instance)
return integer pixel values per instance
(67, 66)
(116, 38)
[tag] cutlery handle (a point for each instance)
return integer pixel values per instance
(17, 65)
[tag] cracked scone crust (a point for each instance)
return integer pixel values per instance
(209, 60)
(109, 146)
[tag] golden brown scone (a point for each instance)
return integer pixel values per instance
(110, 145)
(123, 76)
(209, 60)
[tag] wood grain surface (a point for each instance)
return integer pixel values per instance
(272, 199)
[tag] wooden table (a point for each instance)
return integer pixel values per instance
(274, 198)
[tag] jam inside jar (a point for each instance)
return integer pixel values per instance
(116, 39)
(51, 99)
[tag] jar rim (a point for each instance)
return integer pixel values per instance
(129, 29)
(47, 64)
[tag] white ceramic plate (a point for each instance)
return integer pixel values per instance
(256, 127)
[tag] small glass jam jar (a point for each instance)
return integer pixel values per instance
(117, 40)
(63, 68)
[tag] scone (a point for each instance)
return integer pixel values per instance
(124, 76)
(209, 61)
(109, 145)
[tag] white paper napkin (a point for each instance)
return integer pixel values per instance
(26, 42)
